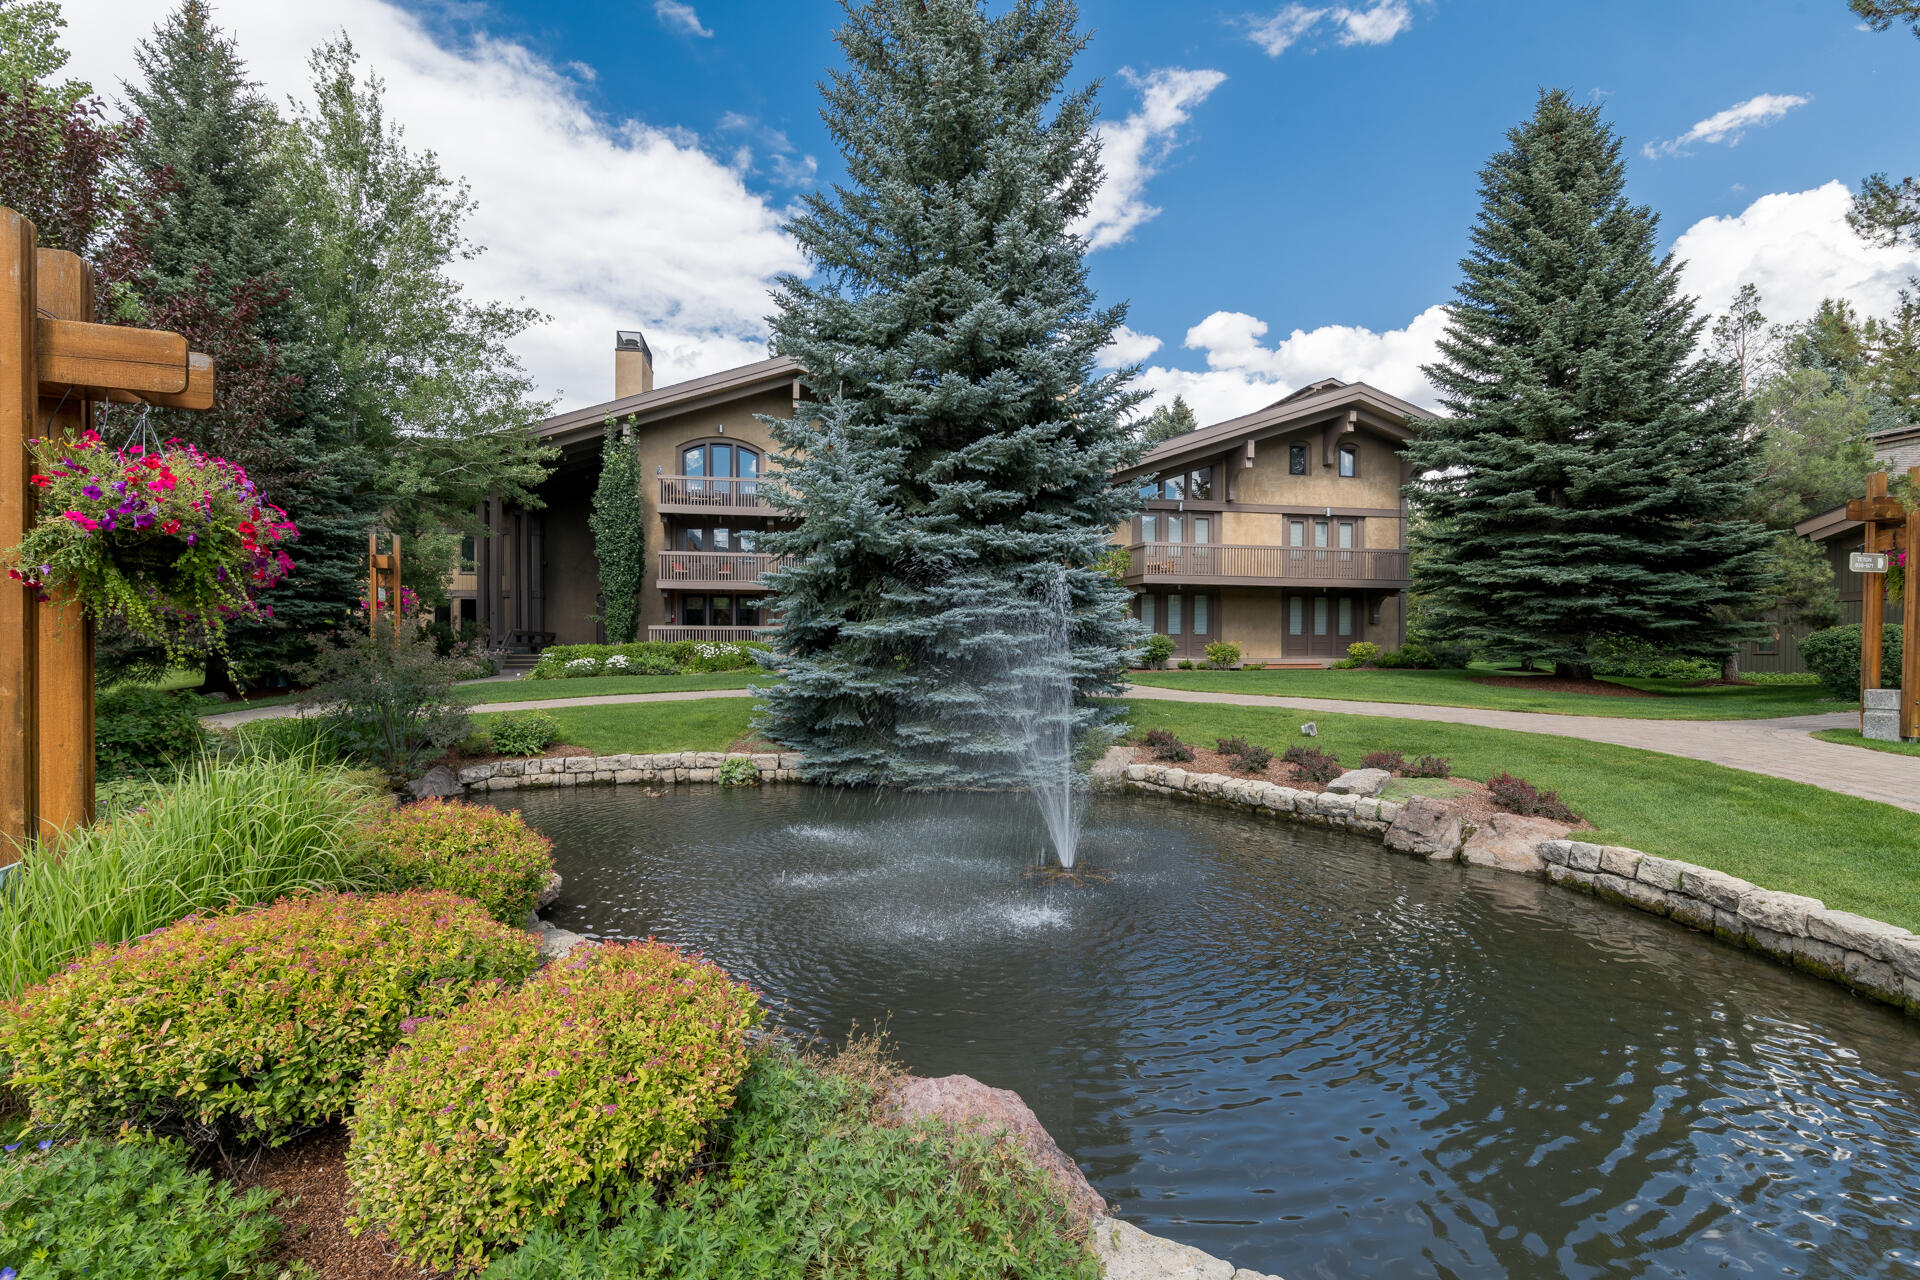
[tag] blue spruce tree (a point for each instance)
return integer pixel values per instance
(953, 459)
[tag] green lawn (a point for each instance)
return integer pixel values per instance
(709, 724)
(1677, 700)
(606, 686)
(1854, 854)
(1853, 738)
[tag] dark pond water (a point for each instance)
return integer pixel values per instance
(1293, 1050)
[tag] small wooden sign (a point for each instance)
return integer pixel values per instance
(1868, 562)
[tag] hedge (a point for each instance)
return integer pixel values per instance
(489, 855)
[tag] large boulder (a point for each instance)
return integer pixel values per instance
(1509, 842)
(1426, 828)
(549, 892)
(961, 1102)
(1128, 1253)
(436, 783)
(1360, 782)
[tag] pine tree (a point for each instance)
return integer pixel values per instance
(953, 460)
(1587, 482)
(619, 524)
(1168, 421)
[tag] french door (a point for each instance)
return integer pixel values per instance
(1191, 619)
(1321, 624)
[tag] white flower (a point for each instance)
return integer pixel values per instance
(618, 662)
(583, 665)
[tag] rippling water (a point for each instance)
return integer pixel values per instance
(1294, 1051)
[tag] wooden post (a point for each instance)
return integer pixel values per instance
(64, 685)
(19, 632)
(383, 574)
(1873, 596)
(1910, 632)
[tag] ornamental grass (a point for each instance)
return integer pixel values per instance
(239, 831)
(545, 1105)
(253, 1026)
(489, 855)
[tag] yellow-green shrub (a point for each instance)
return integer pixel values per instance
(542, 1105)
(489, 855)
(255, 1025)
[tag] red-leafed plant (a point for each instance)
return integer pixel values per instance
(489, 855)
(1517, 795)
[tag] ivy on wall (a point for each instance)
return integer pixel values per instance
(619, 530)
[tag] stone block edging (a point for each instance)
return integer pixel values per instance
(670, 766)
(1879, 960)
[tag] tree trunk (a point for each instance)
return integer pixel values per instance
(1573, 670)
(1730, 667)
(217, 678)
(1526, 664)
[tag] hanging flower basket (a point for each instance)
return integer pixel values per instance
(1896, 576)
(170, 541)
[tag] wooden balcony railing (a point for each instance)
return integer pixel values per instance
(1223, 565)
(712, 493)
(711, 635)
(714, 568)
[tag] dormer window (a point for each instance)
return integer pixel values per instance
(1296, 459)
(1195, 485)
(1349, 460)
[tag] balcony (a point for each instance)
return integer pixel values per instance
(1220, 565)
(713, 569)
(712, 635)
(713, 495)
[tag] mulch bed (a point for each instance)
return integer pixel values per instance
(1555, 684)
(310, 1173)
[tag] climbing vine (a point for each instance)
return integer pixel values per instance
(619, 532)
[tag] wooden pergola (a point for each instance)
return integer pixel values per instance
(1889, 526)
(56, 364)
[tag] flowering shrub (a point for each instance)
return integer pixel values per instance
(719, 657)
(646, 658)
(171, 542)
(542, 1104)
(582, 667)
(1517, 795)
(616, 665)
(489, 855)
(255, 1025)
(523, 733)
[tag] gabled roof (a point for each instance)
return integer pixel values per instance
(1313, 405)
(583, 426)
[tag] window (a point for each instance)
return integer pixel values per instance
(1346, 615)
(1202, 529)
(721, 461)
(1149, 527)
(1346, 535)
(468, 560)
(693, 611)
(1199, 615)
(746, 613)
(1195, 485)
(1348, 460)
(1770, 645)
(1174, 488)
(1150, 491)
(715, 538)
(1320, 537)
(722, 611)
(1296, 616)
(1200, 485)
(1296, 533)
(1146, 612)
(1296, 459)
(1173, 528)
(1173, 615)
(1320, 616)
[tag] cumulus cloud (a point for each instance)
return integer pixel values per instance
(676, 16)
(602, 224)
(1728, 126)
(1379, 23)
(1133, 150)
(1127, 347)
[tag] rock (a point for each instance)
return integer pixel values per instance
(1426, 828)
(1509, 842)
(1661, 873)
(1874, 939)
(549, 892)
(1716, 888)
(1361, 782)
(1582, 856)
(1783, 913)
(962, 1101)
(437, 782)
(555, 942)
(1309, 730)
(1128, 1253)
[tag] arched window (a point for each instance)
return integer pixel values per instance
(720, 461)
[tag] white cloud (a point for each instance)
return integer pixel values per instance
(1133, 150)
(1128, 347)
(782, 162)
(1378, 23)
(601, 224)
(1728, 126)
(676, 16)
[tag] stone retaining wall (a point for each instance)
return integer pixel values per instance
(673, 766)
(1874, 958)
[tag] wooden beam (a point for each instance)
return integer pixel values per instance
(1910, 634)
(63, 685)
(19, 633)
(1876, 507)
(1873, 602)
(75, 353)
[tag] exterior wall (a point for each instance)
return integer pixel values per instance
(1782, 653)
(572, 575)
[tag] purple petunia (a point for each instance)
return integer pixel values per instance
(93, 491)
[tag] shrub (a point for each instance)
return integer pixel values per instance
(1780, 677)
(1428, 767)
(1253, 666)
(815, 1184)
(1158, 649)
(255, 1025)
(1646, 662)
(225, 831)
(1517, 795)
(737, 771)
(523, 733)
(543, 1104)
(1222, 654)
(1243, 756)
(1449, 656)
(1834, 656)
(131, 1210)
(581, 667)
(1310, 764)
(1391, 761)
(1186, 664)
(719, 657)
(489, 855)
(653, 664)
(650, 657)
(1165, 746)
(388, 694)
(138, 729)
(1361, 652)
(1415, 656)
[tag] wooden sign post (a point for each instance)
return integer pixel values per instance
(1889, 527)
(383, 580)
(55, 363)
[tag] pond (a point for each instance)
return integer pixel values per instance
(1292, 1049)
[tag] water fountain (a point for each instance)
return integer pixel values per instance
(1041, 715)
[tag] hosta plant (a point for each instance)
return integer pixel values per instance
(170, 542)
(248, 1026)
(544, 1105)
(489, 855)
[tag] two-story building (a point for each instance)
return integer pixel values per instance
(1283, 530)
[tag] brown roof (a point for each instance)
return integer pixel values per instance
(1827, 525)
(1312, 405)
(581, 426)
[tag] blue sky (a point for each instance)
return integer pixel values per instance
(633, 157)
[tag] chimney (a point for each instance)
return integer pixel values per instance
(632, 364)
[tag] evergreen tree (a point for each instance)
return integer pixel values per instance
(1168, 421)
(953, 459)
(1587, 483)
(619, 524)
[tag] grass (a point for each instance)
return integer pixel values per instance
(606, 686)
(638, 728)
(1853, 854)
(1676, 700)
(1853, 738)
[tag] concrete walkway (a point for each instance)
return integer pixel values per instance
(1780, 748)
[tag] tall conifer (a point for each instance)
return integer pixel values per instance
(954, 455)
(1586, 483)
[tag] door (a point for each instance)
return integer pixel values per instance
(1191, 619)
(1320, 624)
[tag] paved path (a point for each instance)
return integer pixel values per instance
(1781, 748)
